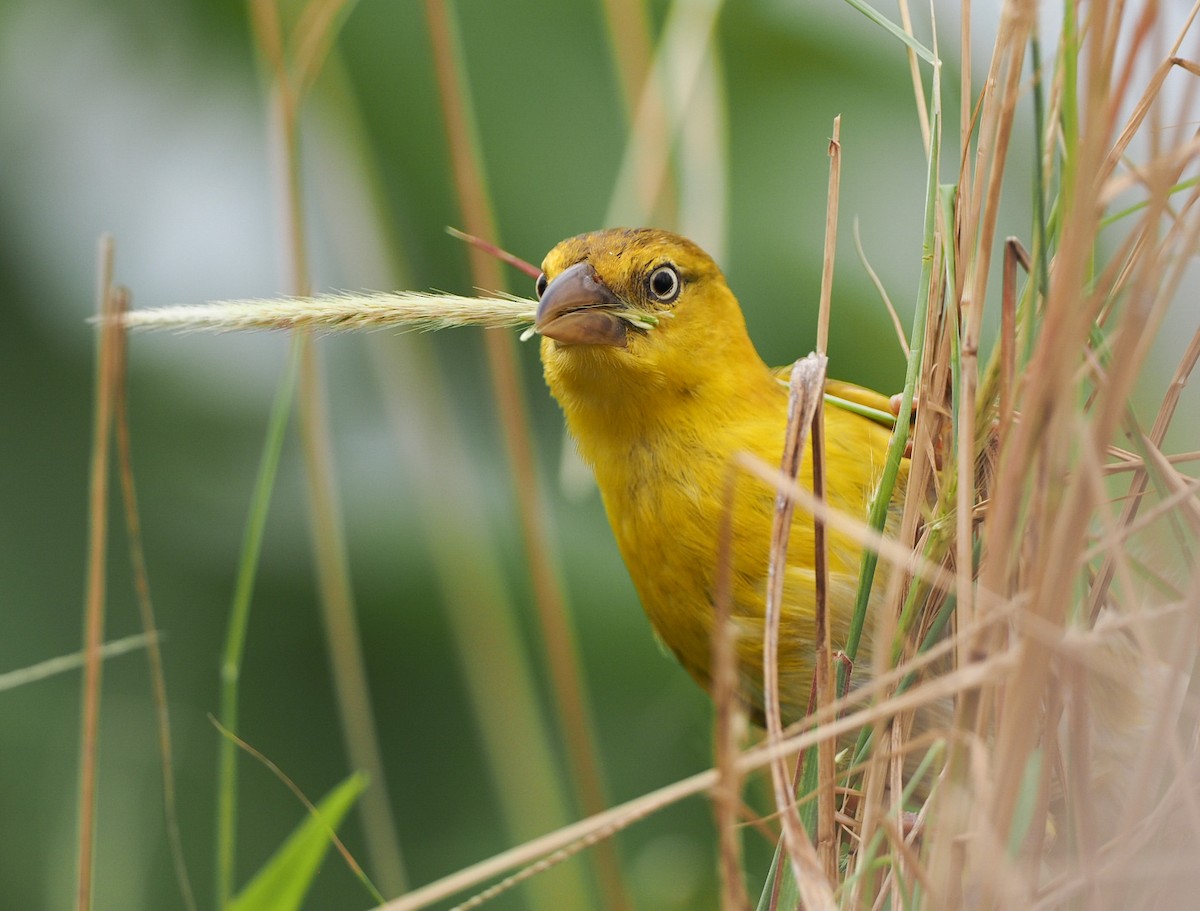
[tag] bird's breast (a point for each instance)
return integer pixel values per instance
(665, 502)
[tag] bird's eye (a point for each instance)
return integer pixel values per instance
(540, 285)
(664, 284)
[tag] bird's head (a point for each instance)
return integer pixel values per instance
(637, 308)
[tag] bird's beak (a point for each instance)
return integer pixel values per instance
(578, 309)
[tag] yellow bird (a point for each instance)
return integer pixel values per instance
(645, 348)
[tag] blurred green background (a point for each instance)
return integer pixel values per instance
(150, 120)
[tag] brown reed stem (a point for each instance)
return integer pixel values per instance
(726, 792)
(823, 680)
(141, 585)
(808, 375)
(109, 359)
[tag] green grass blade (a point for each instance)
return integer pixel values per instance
(239, 619)
(1069, 93)
(789, 895)
(1110, 220)
(1027, 801)
(883, 496)
(894, 30)
(879, 417)
(10, 680)
(286, 877)
(1040, 239)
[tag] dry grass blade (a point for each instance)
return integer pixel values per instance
(831, 224)
(730, 717)
(824, 684)
(879, 287)
(110, 303)
(24, 676)
(807, 382)
(914, 66)
(141, 582)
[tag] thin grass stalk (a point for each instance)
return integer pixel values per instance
(108, 363)
(881, 501)
(236, 631)
(1042, 129)
(831, 224)
(326, 521)
(978, 218)
(871, 759)
(571, 701)
(1132, 52)
(806, 383)
(308, 805)
(965, 93)
(949, 199)
(1068, 79)
(1128, 461)
(729, 716)
(773, 896)
(824, 685)
(141, 585)
(914, 68)
(1149, 470)
(995, 132)
(894, 30)
(1014, 255)
(1151, 94)
(541, 866)
(815, 774)
(898, 326)
(23, 676)
(931, 431)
